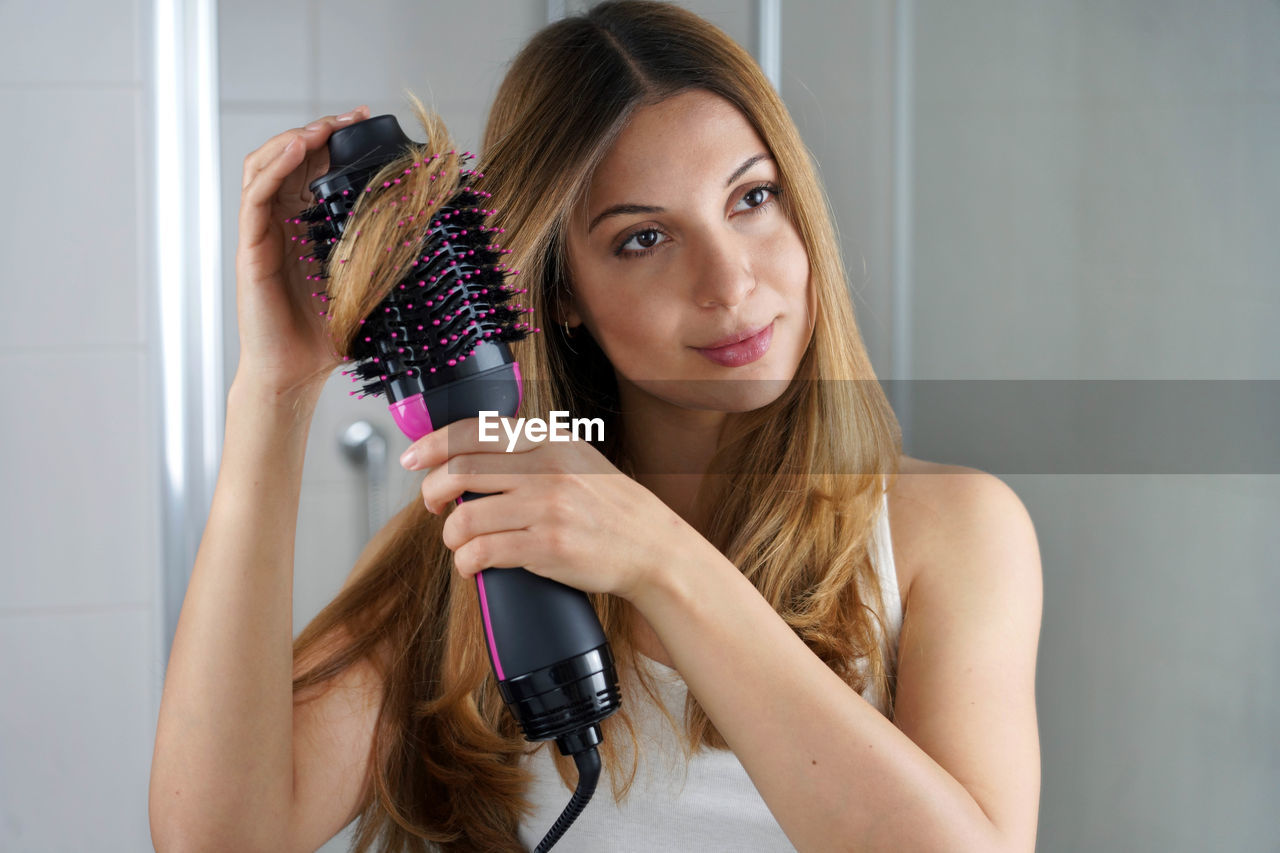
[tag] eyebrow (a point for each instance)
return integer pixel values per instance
(620, 209)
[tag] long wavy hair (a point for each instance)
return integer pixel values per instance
(791, 495)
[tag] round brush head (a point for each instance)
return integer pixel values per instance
(451, 300)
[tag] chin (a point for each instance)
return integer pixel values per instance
(718, 395)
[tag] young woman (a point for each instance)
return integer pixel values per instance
(793, 677)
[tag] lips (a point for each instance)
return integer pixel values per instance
(742, 352)
(736, 337)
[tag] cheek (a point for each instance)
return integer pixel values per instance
(637, 334)
(789, 266)
(792, 276)
(627, 327)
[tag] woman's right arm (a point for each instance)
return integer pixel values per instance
(237, 764)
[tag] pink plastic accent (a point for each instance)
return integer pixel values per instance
(414, 420)
(488, 626)
(412, 417)
(515, 367)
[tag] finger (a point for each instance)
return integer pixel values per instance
(476, 474)
(503, 550)
(294, 152)
(320, 129)
(484, 516)
(255, 201)
(469, 435)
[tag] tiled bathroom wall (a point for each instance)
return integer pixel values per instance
(79, 605)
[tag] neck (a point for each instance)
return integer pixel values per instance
(670, 446)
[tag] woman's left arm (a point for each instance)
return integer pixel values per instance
(960, 769)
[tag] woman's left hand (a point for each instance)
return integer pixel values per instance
(564, 511)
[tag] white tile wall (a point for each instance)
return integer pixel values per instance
(995, 243)
(837, 81)
(447, 53)
(1157, 694)
(78, 531)
(1092, 192)
(76, 727)
(266, 53)
(78, 44)
(1097, 188)
(995, 51)
(72, 255)
(1170, 238)
(1174, 51)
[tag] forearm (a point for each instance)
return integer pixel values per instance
(836, 773)
(224, 748)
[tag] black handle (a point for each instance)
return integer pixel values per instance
(533, 622)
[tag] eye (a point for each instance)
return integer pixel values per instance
(646, 240)
(758, 193)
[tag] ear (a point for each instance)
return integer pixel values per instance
(567, 312)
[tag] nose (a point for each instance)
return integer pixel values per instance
(723, 274)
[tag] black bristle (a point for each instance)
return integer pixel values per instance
(455, 295)
(324, 221)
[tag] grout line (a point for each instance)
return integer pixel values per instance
(95, 85)
(62, 349)
(75, 609)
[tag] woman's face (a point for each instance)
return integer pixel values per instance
(681, 243)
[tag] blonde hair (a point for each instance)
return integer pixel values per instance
(790, 498)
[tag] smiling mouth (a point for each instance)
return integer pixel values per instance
(737, 337)
(742, 352)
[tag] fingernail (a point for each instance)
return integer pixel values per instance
(408, 460)
(347, 116)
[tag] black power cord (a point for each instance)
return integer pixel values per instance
(588, 762)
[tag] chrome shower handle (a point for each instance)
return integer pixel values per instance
(366, 446)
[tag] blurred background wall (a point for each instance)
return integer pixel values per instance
(1027, 192)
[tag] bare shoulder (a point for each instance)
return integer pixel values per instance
(932, 506)
(970, 633)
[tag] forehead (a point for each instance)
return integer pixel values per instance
(689, 138)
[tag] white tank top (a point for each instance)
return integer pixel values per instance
(707, 803)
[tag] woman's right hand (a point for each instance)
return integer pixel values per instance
(284, 342)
